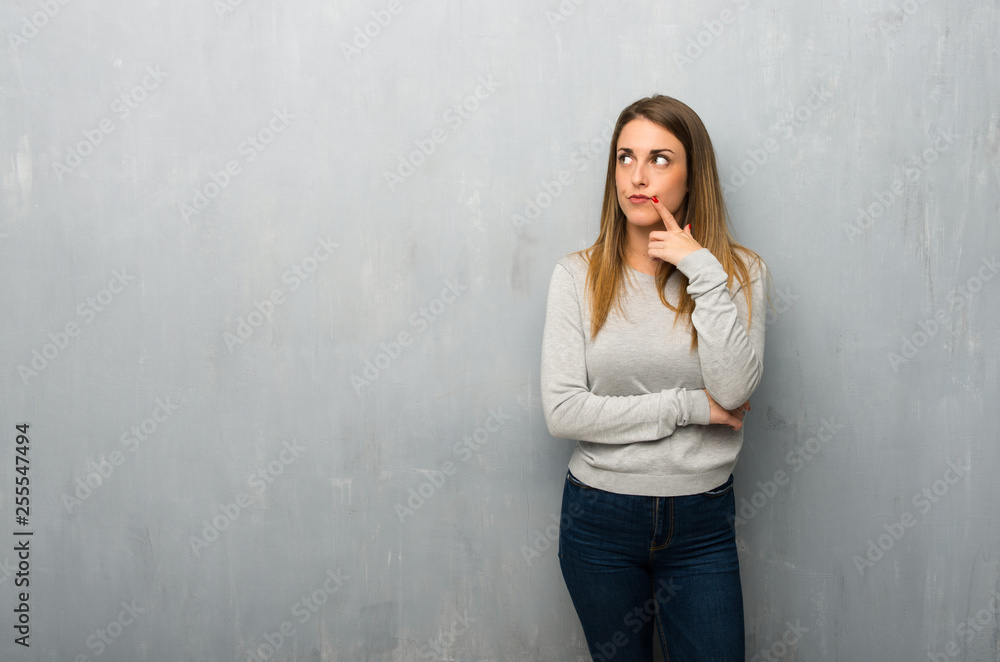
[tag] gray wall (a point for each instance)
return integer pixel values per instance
(204, 246)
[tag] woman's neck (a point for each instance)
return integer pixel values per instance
(636, 250)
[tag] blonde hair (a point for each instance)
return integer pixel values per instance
(705, 210)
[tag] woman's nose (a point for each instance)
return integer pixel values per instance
(638, 175)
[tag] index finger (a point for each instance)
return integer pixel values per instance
(668, 219)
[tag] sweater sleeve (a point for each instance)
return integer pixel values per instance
(730, 349)
(573, 412)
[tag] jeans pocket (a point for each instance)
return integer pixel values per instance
(721, 489)
(573, 480)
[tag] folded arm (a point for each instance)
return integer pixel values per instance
(730, 346)
(572, 411)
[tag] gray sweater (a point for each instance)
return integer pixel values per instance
(632, 397)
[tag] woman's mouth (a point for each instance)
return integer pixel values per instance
(638, 199)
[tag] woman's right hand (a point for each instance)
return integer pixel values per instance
(731, 417)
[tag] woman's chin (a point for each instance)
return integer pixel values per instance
(643, 220)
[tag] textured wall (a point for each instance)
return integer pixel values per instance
(274, 278)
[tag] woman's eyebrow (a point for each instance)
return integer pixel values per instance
(628, 150)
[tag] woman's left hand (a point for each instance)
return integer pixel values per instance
(673, 245)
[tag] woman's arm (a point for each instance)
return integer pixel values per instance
(573, 412)
(730, 348)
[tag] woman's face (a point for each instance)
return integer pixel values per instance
(650, 162)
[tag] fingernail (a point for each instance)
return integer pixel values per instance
(654, 199)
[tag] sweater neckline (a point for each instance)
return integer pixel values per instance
(641, 274)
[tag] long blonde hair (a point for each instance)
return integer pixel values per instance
(705, 210)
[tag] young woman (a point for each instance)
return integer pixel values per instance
(653, 343)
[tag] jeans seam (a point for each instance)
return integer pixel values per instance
(656, 512)
(656, 528)
(670, 528)
(670, 535)
(659, 623)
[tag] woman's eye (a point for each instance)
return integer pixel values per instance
(659, 159)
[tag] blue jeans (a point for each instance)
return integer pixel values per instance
(636, 566)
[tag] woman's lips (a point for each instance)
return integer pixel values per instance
(638, 199)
